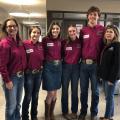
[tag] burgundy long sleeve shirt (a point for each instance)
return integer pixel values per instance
(34, 54)
(92, 42)
(71, 51)
(52, 48)
(12, 58)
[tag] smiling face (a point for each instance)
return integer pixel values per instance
(55, 31)
(109, 35)
(72, 32)
(35, 34)
(93, 18)
(11, 28)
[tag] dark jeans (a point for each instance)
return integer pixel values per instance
(31, 86)
(70, 72)
(88, 72)
(13, 98)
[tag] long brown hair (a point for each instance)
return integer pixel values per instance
(68, 37)
(49, 34)
(4, 32)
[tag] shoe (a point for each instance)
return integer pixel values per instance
(73, 116)
(66, 116)
(81, 117)
(35, 118)
(102, 118)
(94, 117)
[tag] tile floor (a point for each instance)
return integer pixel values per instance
(42, 95)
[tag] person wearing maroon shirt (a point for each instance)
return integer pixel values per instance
(91, 37)
(35, 57)
(52, 69)
(12, 66)
(71, 53)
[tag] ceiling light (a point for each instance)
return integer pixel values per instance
(19, 14)
(30, 22)
(22, 14)
(21, 2)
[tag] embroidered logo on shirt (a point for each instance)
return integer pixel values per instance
(86, 36)
(29, 51)
(50, 44)
(68, 48)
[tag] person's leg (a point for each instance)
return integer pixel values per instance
(109, 92)
(48, 102)
(66, 75)
(11, 99)
(74, 88)
(35, 95)
(28, 87)
(95, 90)
(84, 84)
(52, 107)
(20, 85)
(10, 103)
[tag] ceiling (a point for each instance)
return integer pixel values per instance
(27, 7)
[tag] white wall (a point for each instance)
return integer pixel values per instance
(110, 6)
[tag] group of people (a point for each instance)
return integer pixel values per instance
(55, 62)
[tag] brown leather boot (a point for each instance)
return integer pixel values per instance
(52, 117)
(47, 111)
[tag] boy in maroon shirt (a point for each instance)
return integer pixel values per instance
(91, 37)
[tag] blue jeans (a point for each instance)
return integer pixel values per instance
(89, 72)
(13, 98)
(31, 87)
(109, 95)
(70, 72)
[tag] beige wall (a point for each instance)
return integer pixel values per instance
(110, 6)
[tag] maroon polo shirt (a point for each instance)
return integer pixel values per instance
(12, 58)
(34, 53)
(52, 48)
(71, 51)
(92, 42)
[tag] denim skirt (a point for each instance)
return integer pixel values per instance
(52, 76)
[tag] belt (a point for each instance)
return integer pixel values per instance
(88, 61)
(55, 62)
(19, 73)
(34, 71)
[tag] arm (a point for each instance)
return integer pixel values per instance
(115, 67)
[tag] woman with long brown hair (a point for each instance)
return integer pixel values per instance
(12, 65)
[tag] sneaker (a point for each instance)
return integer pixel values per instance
(81, 117)
(73, 116)
(66, 116)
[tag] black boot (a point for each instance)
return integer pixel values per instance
(47, 111)
(52, 117)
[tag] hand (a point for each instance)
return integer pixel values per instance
(9, 85)
(110, 83)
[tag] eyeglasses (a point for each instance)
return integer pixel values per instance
(11, 26)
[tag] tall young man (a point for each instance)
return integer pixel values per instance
(91, 37)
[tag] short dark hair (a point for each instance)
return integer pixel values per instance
(93, 9)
